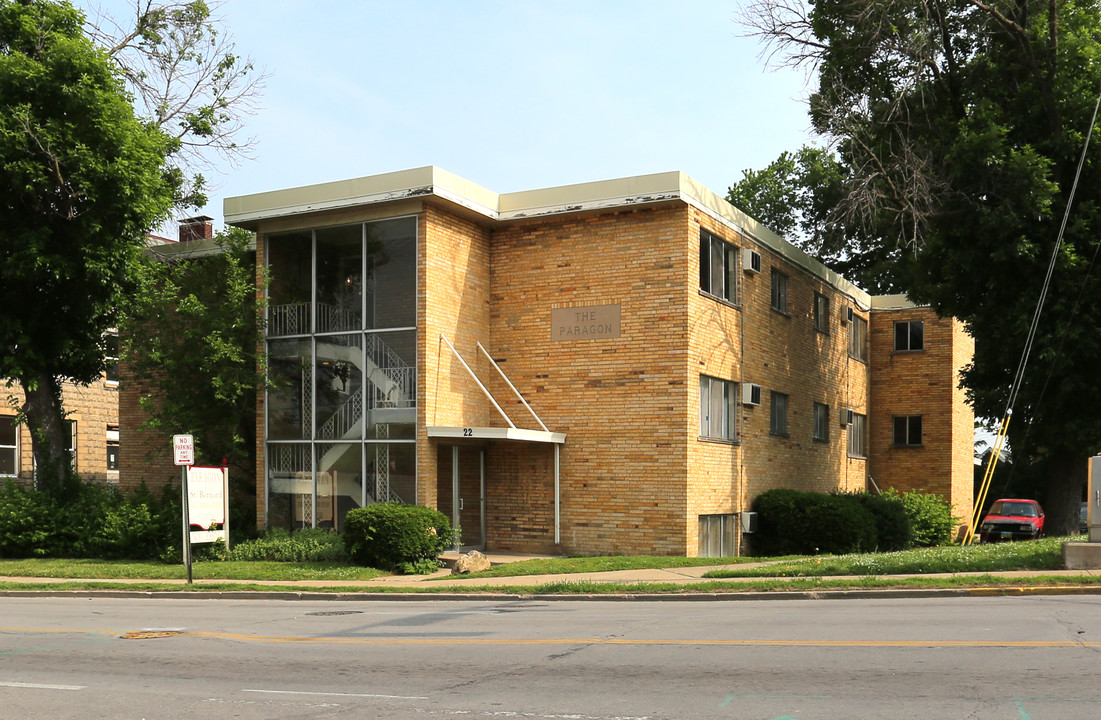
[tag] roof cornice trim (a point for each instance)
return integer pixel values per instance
(430, 181)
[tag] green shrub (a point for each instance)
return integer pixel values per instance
(90, 520)
(279, 545)
(392, 536)
(25, 521)
(930, 517)
(791, 522)
(892, 524)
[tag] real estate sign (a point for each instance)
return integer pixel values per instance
(206, 504)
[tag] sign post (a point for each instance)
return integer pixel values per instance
(183, 454)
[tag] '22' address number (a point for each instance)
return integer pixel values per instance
(468, 432)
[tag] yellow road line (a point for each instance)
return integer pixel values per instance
(595, 641)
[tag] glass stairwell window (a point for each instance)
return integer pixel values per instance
(342, 357)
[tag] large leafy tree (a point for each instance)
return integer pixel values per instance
(959, 125)
(192, 334)
(83, 179)
(800, 196)
(105, 126)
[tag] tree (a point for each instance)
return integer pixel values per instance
(799, 196)
(83, 181)
(959, 125)
(187, 78)
(86, 177)
(191, 336)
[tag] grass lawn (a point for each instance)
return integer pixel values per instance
(1044, 554)
(212, 570)
(764, 574)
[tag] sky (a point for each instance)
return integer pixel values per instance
(512, 95)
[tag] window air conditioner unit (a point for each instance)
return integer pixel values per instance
(751, 394)
(749, 522)
(846, 417)
(848, 315)
(751, 260)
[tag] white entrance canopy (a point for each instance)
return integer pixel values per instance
(510, 433)
(497, 433)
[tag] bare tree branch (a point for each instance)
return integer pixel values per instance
(784, 26)
(186, 76)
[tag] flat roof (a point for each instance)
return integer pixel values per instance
(430, 181)
(892, 302)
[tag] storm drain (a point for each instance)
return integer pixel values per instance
(335, 612)
(148, 634)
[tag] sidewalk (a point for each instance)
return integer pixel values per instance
(686, 576)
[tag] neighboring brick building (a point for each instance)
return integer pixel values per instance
(93, 417)
(613, 367)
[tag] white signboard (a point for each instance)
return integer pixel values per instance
(183, 449)
(206, 504)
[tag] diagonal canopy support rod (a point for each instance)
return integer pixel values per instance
(509, 382)
(479, 383)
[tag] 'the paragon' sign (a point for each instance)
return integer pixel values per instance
(590, 322)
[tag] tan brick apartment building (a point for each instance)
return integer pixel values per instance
(611, 367)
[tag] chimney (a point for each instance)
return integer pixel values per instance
(200, 227)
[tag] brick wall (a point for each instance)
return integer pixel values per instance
(781, 352)
(520, 497)
(453, 301)
(620, 400)
(92, 407)
(145, 455)
(922, 383)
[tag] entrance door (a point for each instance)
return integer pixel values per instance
(460, 492)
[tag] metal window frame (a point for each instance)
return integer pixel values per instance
(824, 425)
(821, 312)
(858, 430)
(858, 339)
(779, 295)
(710, 245)
(909, 335)
(312, 335)
(727, 530)
(778, 421)
(14, 448)
(725, 427)
(908, 422)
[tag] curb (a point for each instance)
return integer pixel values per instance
(889, 594)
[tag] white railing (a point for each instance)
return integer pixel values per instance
(399, 392)
(291, 458)
(382, 354)
(294, 319)
(331, 318)
(291, 319)
(344, 419)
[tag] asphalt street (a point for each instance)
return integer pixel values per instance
(1004, 658)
